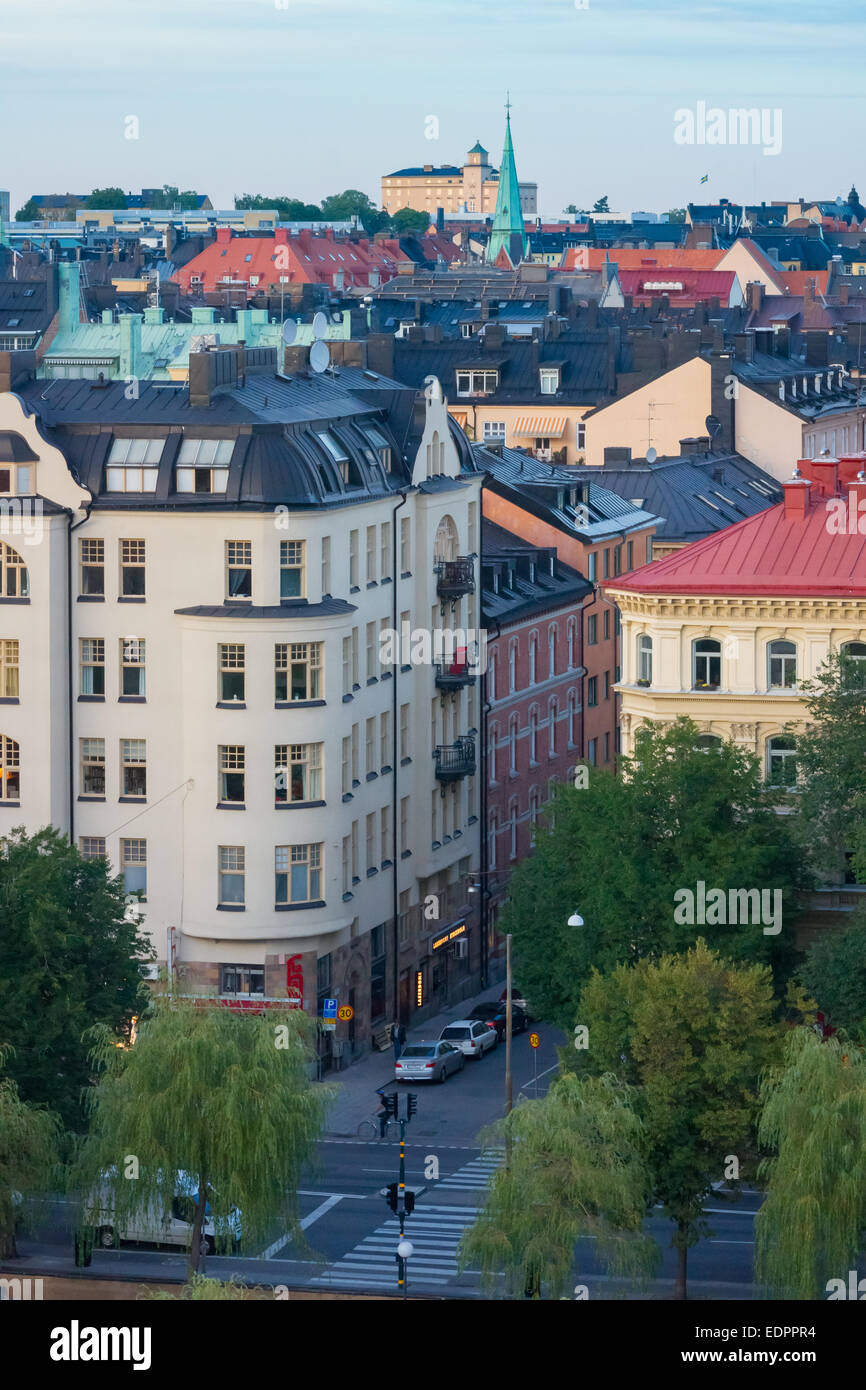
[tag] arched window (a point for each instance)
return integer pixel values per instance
(572, 711)
(445, 544)
(10, 771)
(533, 655)
(533, 735)
(512, 739)
(706, 742)
(706, 664)
(554, 712)
(571, 633)
(854, 651)
(533, 814)
(14, 580)
(781, 665)
(551, 649)
(645, 659)
(853, 656)
(491, 843)
(512, 667)
(513, 811)
(491, 678)
(782, 761)
(494, 734)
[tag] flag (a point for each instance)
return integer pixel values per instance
(705, 178)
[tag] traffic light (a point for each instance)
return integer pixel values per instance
(390, 1103)
(392, 1196)
(412, 1105)
(409, 1201)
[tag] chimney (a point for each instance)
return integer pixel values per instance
(295, 358)
(223, 236)
(494, 335)
(809, 294)
(817, 349)
(857, 499)
(718, 335)
(281, 236)
(797, 494)
(69, 296)
(844, 290)
(744, 346)
(380, 353)
(130, 345)
(782, 341)
(823, 473)
(201, 378)
(688, 447)
(754, 295)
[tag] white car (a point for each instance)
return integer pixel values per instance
(470, 1036)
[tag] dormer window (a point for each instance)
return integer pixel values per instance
(202, 465)
(133, 465)
(477, 383)
(466, 330)
(549, 380)
(818, 383)
(781, 390)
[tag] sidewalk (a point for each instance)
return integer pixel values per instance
(358, 1083)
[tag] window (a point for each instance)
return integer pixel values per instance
(512, 667)
(385, 831)
(298, 772)
(355, 755)
(571, 646)
(132, 667)
(572, 712)
(133, 864)
(607, 685)
(591, 566)
(385, 551)
(405, 545)
(92, 666)
(551, 651)
(92, 847)
(232, 672)
(298, 671)
(554, 713)
(239, 569)
(92, 766)
(533, 652)
(549, 381)
(513, 817)
(649, 549)
(292, 561)
(592, 692)
(630, 556)
(404, 731)
(706, 742)
(372, 653)
(607, 564)
(92, 568)
(852, 654)
(232, 774)
(606, 624)
(232, 865)
(346, 766)
(326, 565)
(592, 630)
(297, 874)
(370, 745)
(323, 974)
(707, 663)
(644, 660)
(347, 864)
(133, 465)
(133, 767)
(385, 739)
(202, 465)
(242, 980)
(353, 559)
(494, 432)
(371, 554)
(132, 569)
(476, 383)
(533, 735)
(781, 761)
(592, 749)
(581, 435)
(404, 824)
(781, 665)
(617, 559)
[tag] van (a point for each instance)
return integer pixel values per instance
(150, 1225)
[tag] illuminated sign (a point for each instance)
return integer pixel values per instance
(448, 937)
(419, 988)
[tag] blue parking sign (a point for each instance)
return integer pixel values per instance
(329, 1009)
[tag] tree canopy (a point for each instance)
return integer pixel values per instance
(834, 973)
(29, 1146)
(106, 198)
(601, 205)
(410, 220)
(831, 755)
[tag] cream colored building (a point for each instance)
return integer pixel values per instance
(471, 187)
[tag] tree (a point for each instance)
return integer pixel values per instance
(70, 952)
(221, 1097)
(576, 1171)
(620, 849)
(289, 209)
(601, 205)
(572, 209)
(106, 198)
(692, 1034)
(830, 757)
(170, 198)
(810, 1227)
(834, 973)
(340, 207)
(410, 220)
(29, 1140)
(676, 215)
(29, 212)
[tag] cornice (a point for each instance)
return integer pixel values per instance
(767, 607)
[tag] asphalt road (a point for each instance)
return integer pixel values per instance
(352, 1234)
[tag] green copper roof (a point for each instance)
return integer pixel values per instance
(508, 218)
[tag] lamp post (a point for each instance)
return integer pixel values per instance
(405, 1250)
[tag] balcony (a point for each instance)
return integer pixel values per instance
(453, 675)
(454, 578)
(455, 760)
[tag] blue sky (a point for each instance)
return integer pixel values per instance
(244, 95)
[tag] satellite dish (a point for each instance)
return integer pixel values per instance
(651, 455)
(320, 357)
(320, 325)
(290, 331)
(713, 424)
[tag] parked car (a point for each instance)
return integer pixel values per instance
(493, 1013)
(472, 1037)
(518, 997)
(428, 1061)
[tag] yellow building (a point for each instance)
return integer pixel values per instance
(471, 187)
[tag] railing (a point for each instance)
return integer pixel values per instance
(454, 578)
(455, 760)
(453, 675)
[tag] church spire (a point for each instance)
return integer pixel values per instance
(507, 233)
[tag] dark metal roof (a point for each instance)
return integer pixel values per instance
(586, 378)
(504, 555)
(539, 487)
(328, 608)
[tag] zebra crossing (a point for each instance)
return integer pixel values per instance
(475, 1175)
(435, 1233)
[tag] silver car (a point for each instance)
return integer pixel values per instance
(473, 1038)
(428, 1061)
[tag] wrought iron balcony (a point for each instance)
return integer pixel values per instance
(454, 578)
(453, 675)
(455, 760)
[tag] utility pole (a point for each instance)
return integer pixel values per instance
(508, 1015)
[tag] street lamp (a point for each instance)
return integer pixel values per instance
(575, 920)
(405, 1249)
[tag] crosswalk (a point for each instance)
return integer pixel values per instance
(435, 1233)
(475, 1175)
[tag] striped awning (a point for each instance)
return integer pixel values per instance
(541, 426)
(461, 416)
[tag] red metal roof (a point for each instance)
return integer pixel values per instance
(638, 258)
(303, 259)
(775, 552)
(647, 284)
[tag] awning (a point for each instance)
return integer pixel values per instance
(541, 426)
(461, 416)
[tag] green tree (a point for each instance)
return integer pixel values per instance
(410, 220)
(831, 754)
(339, 207)
(289, 209)
(219, 1096)
(692, 1035)
(619, 849)
(601, 205)
(28, 213)
(676, 215)
(576, 1171)
(106, 198)
(810, 1227)
(70, 952)
(834, 973)
(29, 1147)
(572, 209)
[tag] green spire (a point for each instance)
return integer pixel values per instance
(508, 231)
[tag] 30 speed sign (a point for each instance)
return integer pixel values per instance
(345, 1013)
(534, 1040)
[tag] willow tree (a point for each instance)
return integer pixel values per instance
(576, 1171)
(222, 1099)
(29, 1140)
(810, 1227)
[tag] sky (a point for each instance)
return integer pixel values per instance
(308, 97)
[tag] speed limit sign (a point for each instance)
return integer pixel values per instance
(534, 1040)
(345, 1013)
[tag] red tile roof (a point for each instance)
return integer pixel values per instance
(303, 258)
(795, 281)
(776, 551)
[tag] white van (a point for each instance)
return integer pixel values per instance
(152, 1227)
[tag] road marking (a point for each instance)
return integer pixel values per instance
(356, 1196)
(533, 1079)
(307, 1221)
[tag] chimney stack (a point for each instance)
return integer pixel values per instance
(797, 494)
